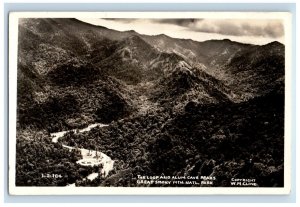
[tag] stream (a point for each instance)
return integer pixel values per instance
(89, 157)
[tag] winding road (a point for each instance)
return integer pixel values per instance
(89, 157)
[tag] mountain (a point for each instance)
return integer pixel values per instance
(258, 70)
(54, 63)
(225, 60)
(174, 106)
(138, 56)
(55, 53)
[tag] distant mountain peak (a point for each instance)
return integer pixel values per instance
(132, 31)
(221, 40)
(275, 43)
(87, 23)
(162, 35)
(227, 40)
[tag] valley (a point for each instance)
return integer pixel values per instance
(167, 106)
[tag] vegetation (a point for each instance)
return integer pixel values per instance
(42, 163)
(214, 108)
(221, 135)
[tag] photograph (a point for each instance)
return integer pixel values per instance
(149, 103)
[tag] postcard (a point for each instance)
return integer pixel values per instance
(149, 103)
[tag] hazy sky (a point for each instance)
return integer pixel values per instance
(241, 30)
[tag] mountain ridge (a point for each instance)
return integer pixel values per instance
(225, 66)
(172, 106)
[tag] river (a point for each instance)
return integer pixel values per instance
(89, 157)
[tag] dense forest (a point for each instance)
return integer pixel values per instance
(42, 164)
(168, 114)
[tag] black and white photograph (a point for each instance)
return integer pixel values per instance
(149, 103)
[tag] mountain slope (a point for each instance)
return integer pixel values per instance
(173, 106)
(56, 53)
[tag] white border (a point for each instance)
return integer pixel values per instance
(13, 43)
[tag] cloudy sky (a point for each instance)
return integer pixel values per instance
(242, 30)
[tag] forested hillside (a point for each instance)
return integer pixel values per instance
(173, 107)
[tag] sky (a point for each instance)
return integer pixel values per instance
(253, 31)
